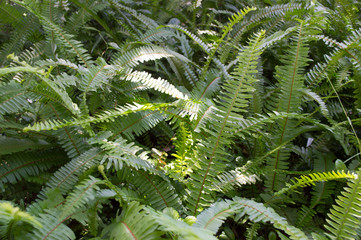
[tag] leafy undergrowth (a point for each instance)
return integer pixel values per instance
(180, 119)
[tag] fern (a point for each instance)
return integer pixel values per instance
(309, 180)
(269, 12)
(132, 58)
(258, 212)
(126, 225)
(66, 176)
(158, 192)
(290, 82)
(158, 84)
(134, 124)
(22, 165)
(95, 76)
(52, 228)
(12, 145)
(63, 38)
(230, 180)
(231, 104)
(12, 219)
(178, 227)
(179, 168)
(84, 192)
(185, 121)
(212, 218)
(103, 117)
(344, 217)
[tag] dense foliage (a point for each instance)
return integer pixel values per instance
(153, 119)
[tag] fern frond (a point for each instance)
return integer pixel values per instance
(275, 11)
(180, 228)
(150, 23)
(277, 36)
(290, 79)
(95, 76)
(316, 236)
(318, 99)
(65, 177)
(231, 103)
(344, 217)
(309, 180)
(52, 228)
(207, 88)
(158, 84)
(153, 35)
(252, 231)
(304, 216)
(233, 20)
(9, 70)
(11, 219)
(64, 39)
(212, 218)
(121, 152)
(132, 58)
(196, 39)
(13, 98)
(179, 168)
(158, 192)
(257, 212)
(52, 89)
(60, 62)
(84, 192)
(230, 180)
(72, 140)
(10, 14)
(24, 25)
(133, 223)
(12, 145)
(134, 124)
(106, 116)
(19, 166)
(89, 11)
(323, 162)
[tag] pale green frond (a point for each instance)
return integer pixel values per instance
(311, 179)
(12, 219)
(257, 212)
(213, 217)
(95, 76)
(158, 84)
(133, 223)
(318, 99)
(134, 57)
(228, 181)
(180, 228)
(344, 217)
(106, 116)
(121, 152)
